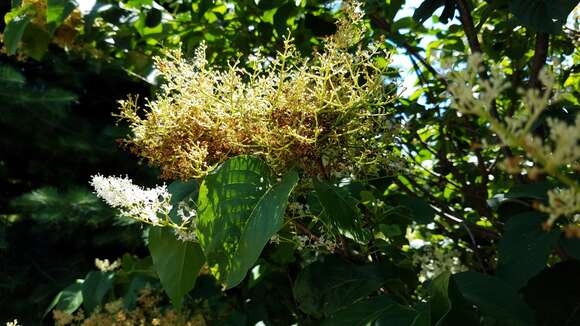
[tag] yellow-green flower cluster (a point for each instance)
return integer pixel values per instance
(325, 114)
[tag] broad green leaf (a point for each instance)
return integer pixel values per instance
(239, 209)
(58, 10)
(341, 210)
(13, 33)
(227, 197)
(524, 248)
(177, 262)
(95, 287)
(68, 300)
(543, 15)
(493, 297)
(266, 219)
(326, 286)
(380, 310)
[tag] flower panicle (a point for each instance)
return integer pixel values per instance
(289, 110)
(556, 155)
(148, 205)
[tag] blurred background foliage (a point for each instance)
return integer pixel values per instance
(64, 65)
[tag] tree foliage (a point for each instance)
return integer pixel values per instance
(469, 217)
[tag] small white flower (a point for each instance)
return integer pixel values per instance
(106, 266)
(562, 202)
(186, 235)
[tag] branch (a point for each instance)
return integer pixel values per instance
(468, 26)
(471, 33)
(539, 59)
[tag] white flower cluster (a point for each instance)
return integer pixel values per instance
(151, 206)
(558, 153)
(434, 260)
(12, 323)
(186, 235)
(562, 202)
(321, 243)
(104, 265)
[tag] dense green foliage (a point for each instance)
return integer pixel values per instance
(459, 229)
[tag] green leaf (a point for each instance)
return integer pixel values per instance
(58, 10)
(493, 297)
(35, 41)
(14, 31)
(538, 190)
(326, 286)
(227, 198)
(265, 221)
(571, 246)
(181, 191)
(95, 287)
(554, 294)
(543, 15)
(440, 302)
(341, 210)
(177, 262)
(426, 10)
(447, 306)
(52, 98)
(423, 317)
(68, 300)
(524, 248)
(137, 284)
(422, 212)
(380, 310)
(240, 208)
(11, 75)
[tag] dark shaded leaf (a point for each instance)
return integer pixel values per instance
(524, 248)
(554, 294)
(426, 10)
(447, 305)
(422, 212)
(493, 297)
(13, 33)
(182, 191)
(379, 310)
(177, 262)
(68, 300)
(326, 286)
(341, 210)
(543, 15)
(95, 287)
